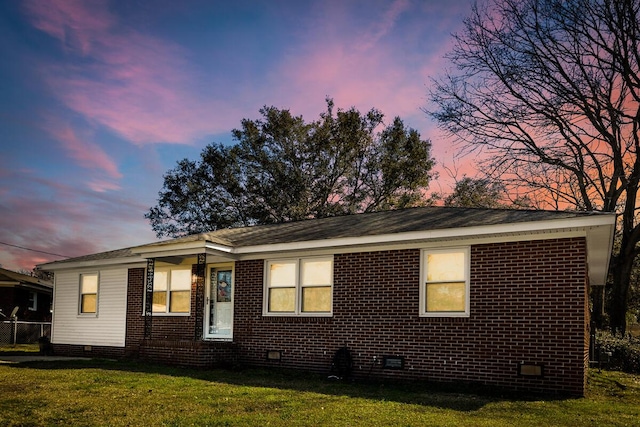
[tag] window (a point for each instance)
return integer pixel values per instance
(88, 293)
(33, 301)
(301, 286)
(172, 290)
(445, 285)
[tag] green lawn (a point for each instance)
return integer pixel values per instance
(19, 349)
(92, 393)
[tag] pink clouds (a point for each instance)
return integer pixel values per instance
(139, 89)
(136, 85)
(74, 22)
(89, 155)
(384, 26)
(116, 74)
(148, 89)
(63, 219)
(43, 222)
(359, 67)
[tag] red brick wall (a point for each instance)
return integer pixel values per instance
(169, 327)
(527, 305)
(177, 332)
(135, 302)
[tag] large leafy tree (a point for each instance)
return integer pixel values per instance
(284, 169)
(548, 91)
(476, 193)
(484, 193)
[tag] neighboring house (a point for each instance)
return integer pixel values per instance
(31, 295)
(497, 297)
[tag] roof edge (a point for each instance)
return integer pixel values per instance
(477, 231)
(202, 245)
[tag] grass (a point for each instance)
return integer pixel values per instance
(96, 393)
(18, 349)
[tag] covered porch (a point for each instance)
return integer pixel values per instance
(187, 294)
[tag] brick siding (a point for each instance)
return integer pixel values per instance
(528, 303)
(174, 339)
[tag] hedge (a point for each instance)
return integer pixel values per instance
(624, 352)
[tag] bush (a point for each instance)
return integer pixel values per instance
(624, 350)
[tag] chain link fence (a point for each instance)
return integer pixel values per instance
(17, 332)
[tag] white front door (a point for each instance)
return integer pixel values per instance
(219, 302)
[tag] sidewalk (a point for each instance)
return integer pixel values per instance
(37, 358)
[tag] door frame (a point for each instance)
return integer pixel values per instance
(207, 305)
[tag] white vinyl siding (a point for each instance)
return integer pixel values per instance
(108, 326)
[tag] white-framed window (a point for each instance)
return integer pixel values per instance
(299, 287)
(33, 301)
(88, 293)
(444, 291)
(172, 290)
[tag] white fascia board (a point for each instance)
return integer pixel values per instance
(200, 246)
(443, 234)
(599, 245)
(218, 248)
(128, 261)
(604, 223)
(422, 244)
(190, 249)
(169, 247)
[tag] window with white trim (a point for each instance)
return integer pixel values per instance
(172, 290)
(88, 293)
(445, 283)
(300, 286)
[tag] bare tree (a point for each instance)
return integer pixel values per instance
(549, 92)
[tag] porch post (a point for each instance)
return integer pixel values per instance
(200, 272)
(148, 302)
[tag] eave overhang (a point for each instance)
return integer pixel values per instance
(597, 229)
(99, 263)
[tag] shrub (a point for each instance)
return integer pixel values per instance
(624, 350)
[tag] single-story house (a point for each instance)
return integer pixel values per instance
(27, 296)
(496, 297)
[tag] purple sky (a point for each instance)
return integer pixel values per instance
(100, 98)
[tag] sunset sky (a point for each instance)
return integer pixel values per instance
(100, 98)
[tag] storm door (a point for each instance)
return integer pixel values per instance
(219, 302)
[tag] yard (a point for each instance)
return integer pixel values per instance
(98, 392)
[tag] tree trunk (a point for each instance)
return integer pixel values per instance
(621, 268)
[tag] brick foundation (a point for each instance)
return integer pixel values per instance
(199, 354)
(103, 352)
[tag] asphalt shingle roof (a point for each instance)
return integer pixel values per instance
(12, 276)
(372, 224)
(369, 224)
